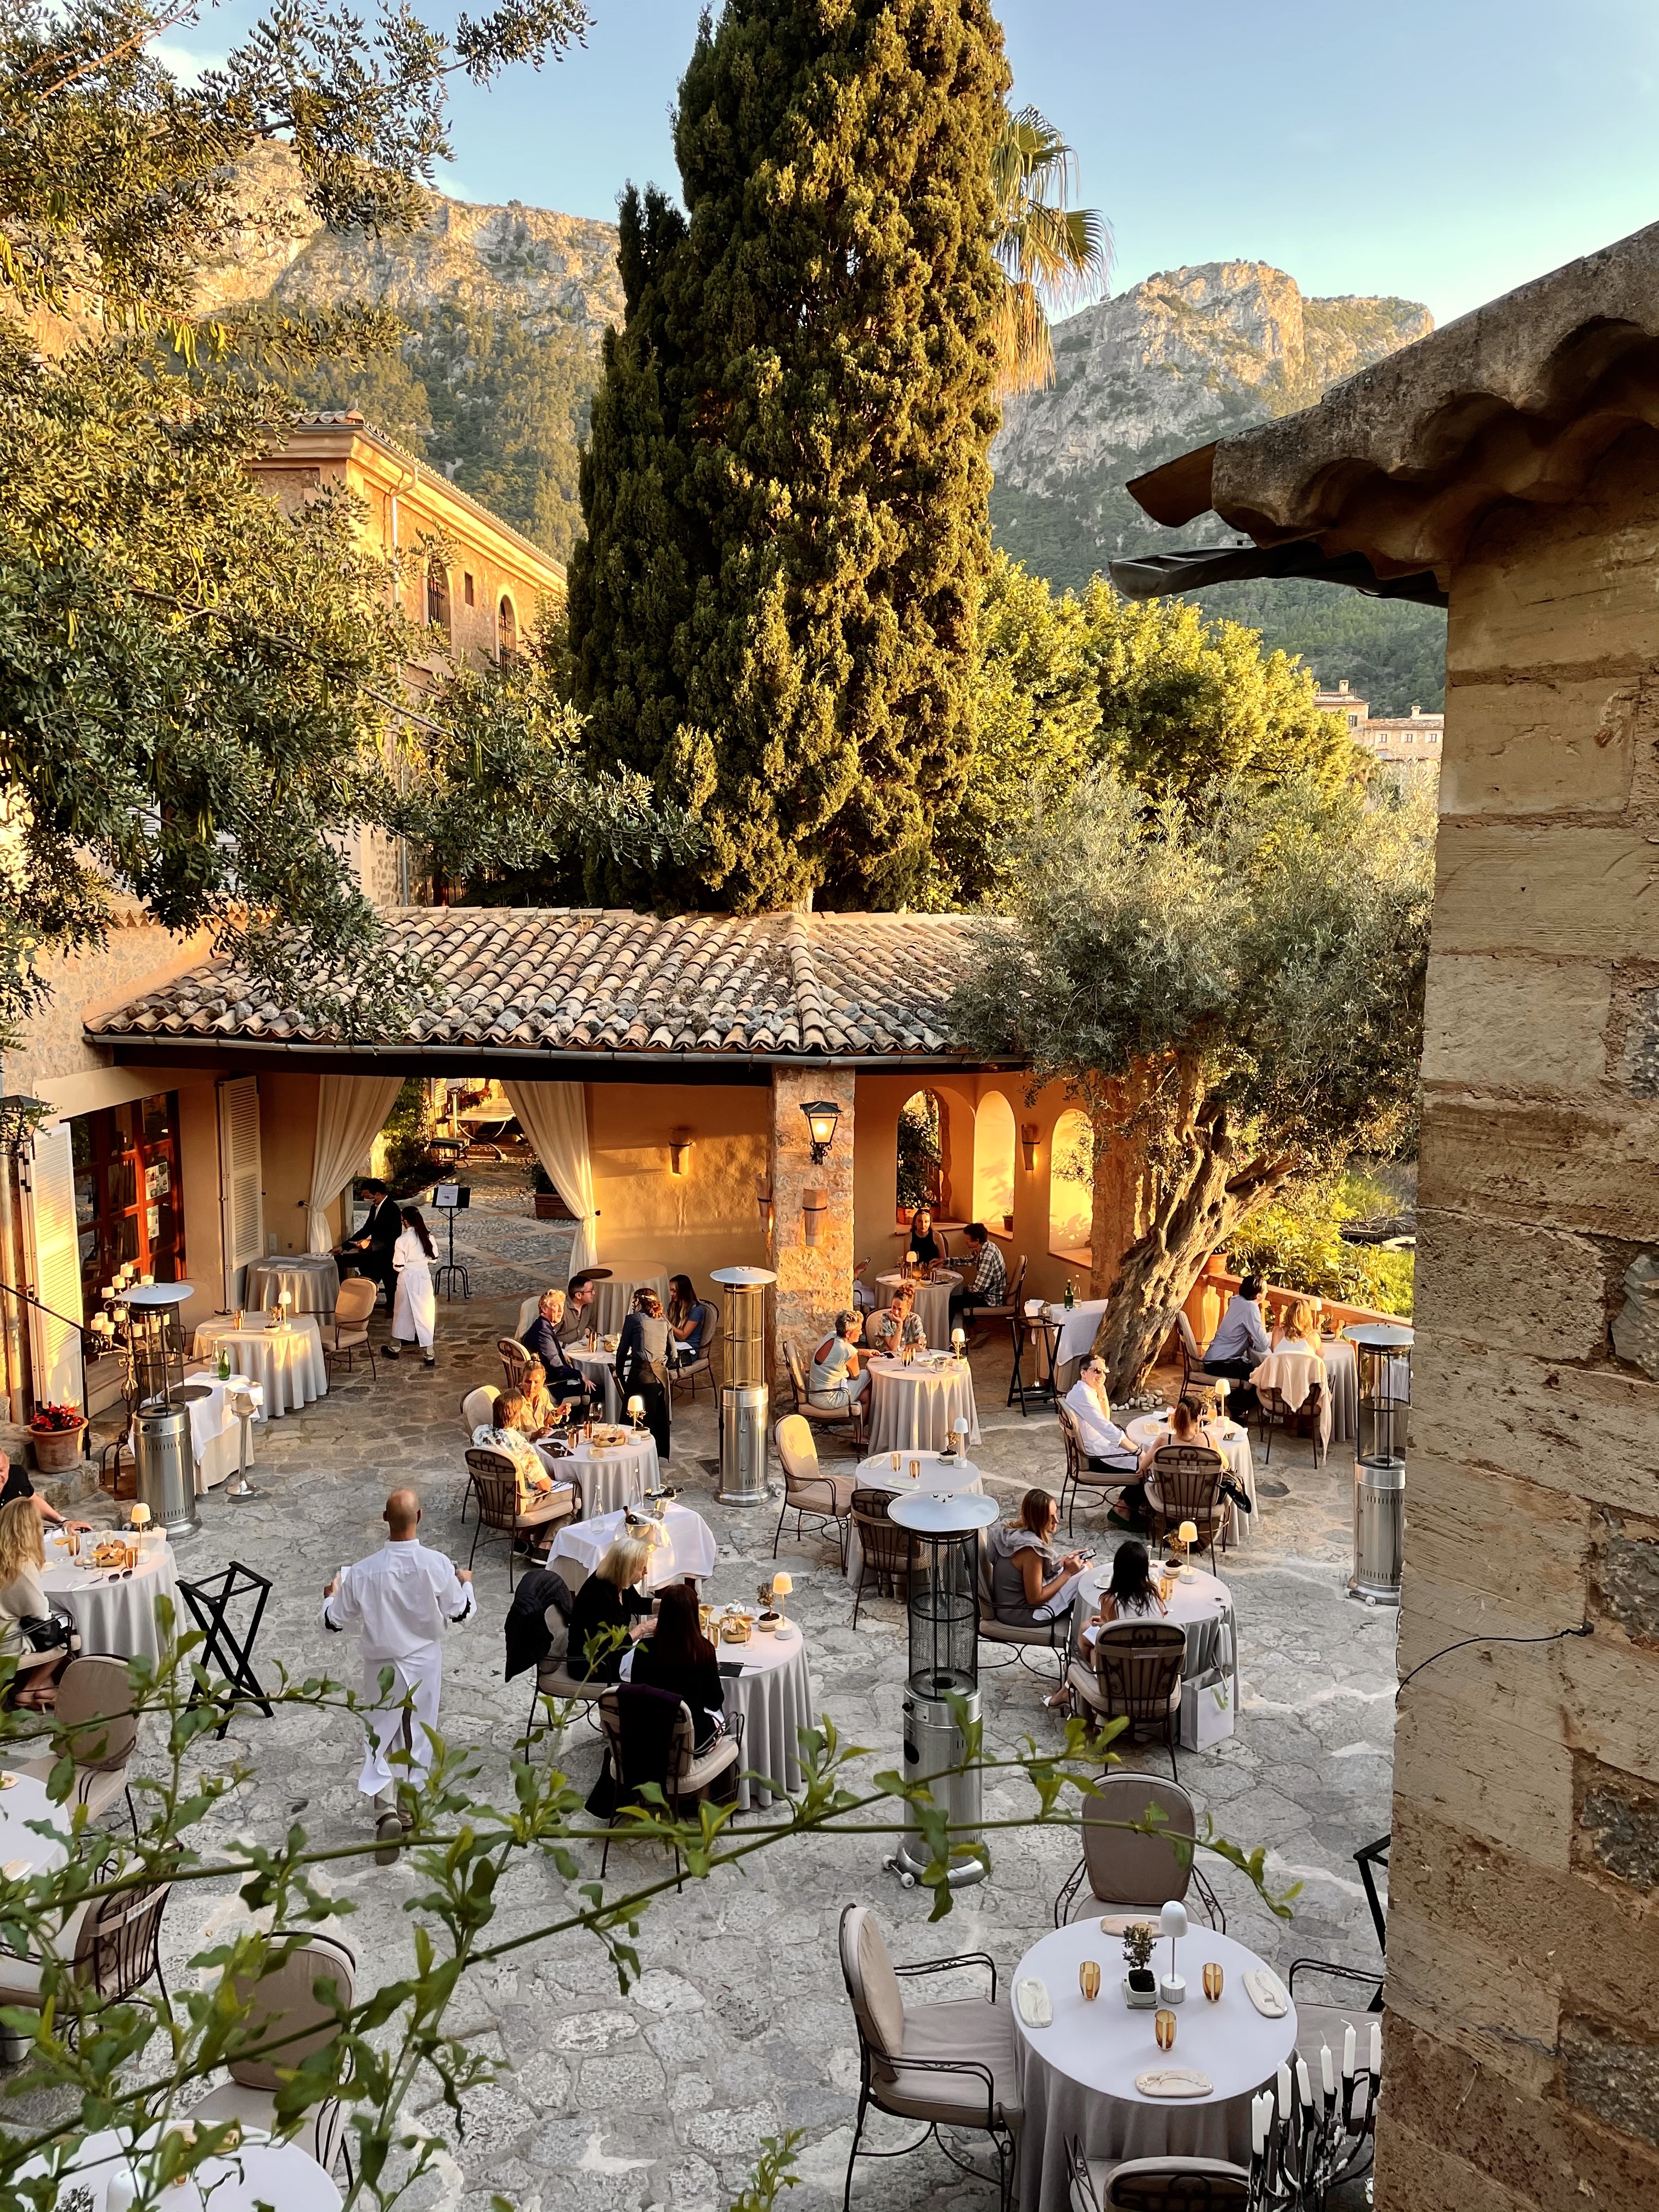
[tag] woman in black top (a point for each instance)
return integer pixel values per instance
(609, 1600)
(928, 1248)
(679, 1658)
(642, 1366)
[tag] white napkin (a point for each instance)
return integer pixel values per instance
(1035, 2006)
(1174, 2082)
(1267, 1992)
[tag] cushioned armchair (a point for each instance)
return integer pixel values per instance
(1122, 1868)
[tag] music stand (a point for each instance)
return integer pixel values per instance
(450, 1197)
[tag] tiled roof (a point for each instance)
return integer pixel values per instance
(583, 981)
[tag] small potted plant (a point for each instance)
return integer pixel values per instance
(1140, 1983)
(549, 1207)
(56, 1432)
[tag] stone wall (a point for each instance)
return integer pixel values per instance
(813, 1280)
(1523, 2066)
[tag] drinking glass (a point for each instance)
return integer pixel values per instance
(916, 1470)
(1163, 2025)
(1088, 1979)
(75, 1544)
(1213, 1979)
(896, 1462)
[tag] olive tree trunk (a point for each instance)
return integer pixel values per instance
(1171, 1181)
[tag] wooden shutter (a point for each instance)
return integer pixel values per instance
(53, 1251)
(241, 1198)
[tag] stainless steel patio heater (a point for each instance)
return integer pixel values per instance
(1384, 1357)
(745, 1400)
(164, 1462)
(943, 1607)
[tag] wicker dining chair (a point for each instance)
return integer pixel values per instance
(1135, 1678)
(850, 1418)
(1052, 1637)
(808, 1491)
(514, 1361)
(291, 2014)
(885, 1548)
(494, 1482)
(1187, 1480)
(702, 1369)
(348, 1332)
(1080, 1475)
(1127, 1867)
(1196, 1382)
(111, 1946)
(685, 1776)
(95, 1723)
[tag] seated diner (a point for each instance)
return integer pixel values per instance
(836, 1379)
(1032, 1584)
(606, 1607)
(677, 1657)
(897, 1325)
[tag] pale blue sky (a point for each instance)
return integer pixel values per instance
(1441, 150)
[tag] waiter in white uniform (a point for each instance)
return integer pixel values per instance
(400, 1598)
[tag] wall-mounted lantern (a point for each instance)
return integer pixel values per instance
(1028, 1144)
(679, 1152)
(822, 1115)
(814, 1210)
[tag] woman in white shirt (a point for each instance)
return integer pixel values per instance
(836, 1379)
(1108, 1449)
(415, 1308)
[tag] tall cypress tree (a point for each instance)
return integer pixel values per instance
(785, 487)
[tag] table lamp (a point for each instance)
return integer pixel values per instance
(283, 1304)
(958, 1341)
(636, 1411)
(959, 1435)
(1186, 1536)
(1172, 1922)
(138, 1519)
(781, 1586)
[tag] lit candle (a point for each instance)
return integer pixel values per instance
(1376, 2048)
(1349, 2051)
(1285, 2092)
(146, 1279)
(1326, 2070)
(1304, 2081)
(1261, 2109)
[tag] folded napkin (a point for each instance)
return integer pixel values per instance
(1035, 2006)
(1174, 2082)
(15, 1870)
(1120, 1923)
(1267, 1992)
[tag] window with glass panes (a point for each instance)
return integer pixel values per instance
(129, 1205)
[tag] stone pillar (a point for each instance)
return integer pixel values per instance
(1522, 2057)
(813, 1280)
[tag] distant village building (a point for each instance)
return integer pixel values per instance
(1396, 739)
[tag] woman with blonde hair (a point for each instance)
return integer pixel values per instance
(1298, 1329)
(23, 1556)
(607, 1604)
(508, 1434)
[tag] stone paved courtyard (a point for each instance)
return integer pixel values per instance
(740, 2027)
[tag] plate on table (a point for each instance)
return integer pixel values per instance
(1120, 1923)
(1174, 2082)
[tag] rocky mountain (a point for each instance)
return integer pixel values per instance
(1187, 355)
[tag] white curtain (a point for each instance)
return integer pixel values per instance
(351, 1111)
(554, 1116)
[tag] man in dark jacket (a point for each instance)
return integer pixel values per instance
(370, 1250)
(565, 1382)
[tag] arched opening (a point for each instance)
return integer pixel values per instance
(1072, 1186)
(923, 1130)
(437, 595)
(994, 1161)
(507, 629)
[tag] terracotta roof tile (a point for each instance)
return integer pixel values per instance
(586, 980)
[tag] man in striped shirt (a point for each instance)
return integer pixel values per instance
(988, 1285)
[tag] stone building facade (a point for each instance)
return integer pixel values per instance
(1515, 455)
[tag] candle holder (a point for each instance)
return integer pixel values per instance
(1305, 2147)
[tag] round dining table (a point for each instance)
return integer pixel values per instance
(936, 1477)
(310, 1280)
(1200, 1603)
(260, 2171)
(114, 1611)
(613, 1298)
(612, 1476)
(1233, 1444)
(600, 1366)
(1342, 1376)
(932, 1302)
(685, 1546)
(774, 1693)
(1079, 2075)
(287, 1362)
(915, 1405)
(23, 1799)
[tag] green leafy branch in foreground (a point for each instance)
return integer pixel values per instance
(131, 2066)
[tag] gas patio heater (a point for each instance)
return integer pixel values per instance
(164, 1458)
(943, 1608)
(745, 1400)
(1385, 1356)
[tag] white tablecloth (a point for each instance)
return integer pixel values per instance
(613, 1475)
(1078, 2074)
(613, 1301)
(1342, 1371)
(937, 1478)
(774, 1693)
(215, 1441)
(1234, 1445)
(601, 1367)
(24, 1799)
(933, 1304)
(115, 1614)
(1079, 1328)
(687, 1548)
(287, 1362)
(312, 1280)
(911, 1408)
(281, 2175)
(1198, 1602)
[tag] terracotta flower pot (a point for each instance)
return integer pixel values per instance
(549, 1205)
(57, 1451)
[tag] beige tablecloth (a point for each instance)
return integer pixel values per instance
(116, 1616)
(1342, 1370)
(259, 2172)
(287, 1362)
(312, 1280)
(933, 1305)
(601, 1367)
(613, 1301)
(1078, 2074)
(1293, 1373)
(1234, 1445)
(911, 1408)
(613, 1475)
(774, 1693)
(937, 1478)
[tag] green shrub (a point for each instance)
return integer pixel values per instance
(1297, 1243)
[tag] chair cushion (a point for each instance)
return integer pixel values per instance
(551, 1505)
(19, 1977)
(700, 1772)
(554, 1680)
(1051, 1636)
(962, 2029)
(345, 1340)
(883, 2005)
(820, 1493)
(1128, 2171)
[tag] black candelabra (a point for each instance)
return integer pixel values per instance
(1307, 2142)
